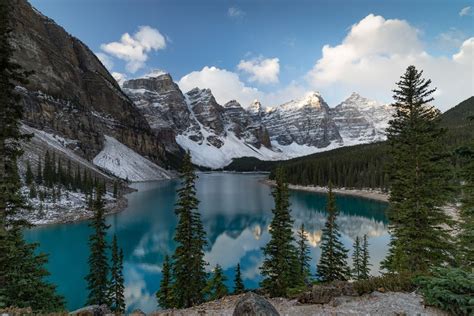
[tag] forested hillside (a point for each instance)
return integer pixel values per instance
(361, 166)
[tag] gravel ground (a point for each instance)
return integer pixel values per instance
(378, 304)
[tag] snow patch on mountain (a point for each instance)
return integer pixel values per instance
(125, 163)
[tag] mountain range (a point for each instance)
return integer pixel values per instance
(139, 130)
(215, 134)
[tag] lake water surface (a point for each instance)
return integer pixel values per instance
(236, 212)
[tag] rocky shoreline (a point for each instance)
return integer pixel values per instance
(363, 193)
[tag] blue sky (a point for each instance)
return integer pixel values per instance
(279, 43)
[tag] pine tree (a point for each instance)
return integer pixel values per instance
(465, 242)
(29, 177)
(420, 176)
(303, 256)
(33, 194)
(116, 285)
(357, 259)
(216, 287)
(39, 173)
(22, 272)
(365, 260)
(332, 265)
(97, 282)
(188, 259)
(164, 295)
(280, 252)
(238, 283)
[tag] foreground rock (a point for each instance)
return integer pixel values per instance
(92, 310)
(252, 304)
(377, 303)
(323, 294)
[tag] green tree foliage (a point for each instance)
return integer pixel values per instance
(188, 260)
(365, 259)
(165, 294)
(280, 252)
(332, 265)
(303, 257)
(22, 271)
(216, 288)
(116, 285)
(450, 289)
(465, 243)
(356, 259)
(97, 278)
(24, 284)
(419, 180)
(238, 283)
(29, 176)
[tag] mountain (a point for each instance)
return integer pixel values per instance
(216, 134)
(72, 95)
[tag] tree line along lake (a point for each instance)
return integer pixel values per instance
(236, 213)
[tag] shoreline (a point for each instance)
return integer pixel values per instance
(367, 194)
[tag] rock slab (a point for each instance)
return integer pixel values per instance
(252, 304)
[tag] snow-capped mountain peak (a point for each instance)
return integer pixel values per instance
(310, 100)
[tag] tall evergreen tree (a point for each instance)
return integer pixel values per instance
(216, 287)
(303, 256)
(333, 262)
(29, 176)
(465, 243)
(357, 259)
(188, 260)
(39, 172)
(365, 259)
(419, 180)
(97, 282)
(22, 270)
(165, 294)
(280, 252)
(116, 285)
(238, 283)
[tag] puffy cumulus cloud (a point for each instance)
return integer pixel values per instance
(235, 12)
(225, 85)
(119, 77)
(466, 11)
(261, 70)
(105, 60)
(134, 48)
(377, 51)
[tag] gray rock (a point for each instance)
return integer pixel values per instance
(92, 310)
(323, 294)
(252, 304)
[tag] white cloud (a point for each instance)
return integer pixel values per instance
(119, 77)
(105, 60)
(134, 49)
(452, 38)
(466, 11)
(235, 12)
(225, 85)
(377, 51)
(261, 70)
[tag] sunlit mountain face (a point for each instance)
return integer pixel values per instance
(236, 213)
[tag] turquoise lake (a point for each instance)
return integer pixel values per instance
(236, 212)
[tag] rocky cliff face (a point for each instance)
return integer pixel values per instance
(197, 121)
(216, 134)
(305, 122)
(71, 93)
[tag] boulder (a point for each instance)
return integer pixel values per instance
(92, 310)
(252, 304)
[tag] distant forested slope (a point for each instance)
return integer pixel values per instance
(361, 166)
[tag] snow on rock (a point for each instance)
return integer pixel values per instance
(125, 163)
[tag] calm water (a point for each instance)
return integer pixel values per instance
(236, 212)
